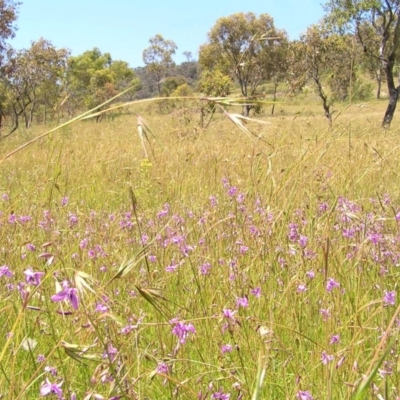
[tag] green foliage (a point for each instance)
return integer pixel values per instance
(170, 84)
(324, 58)
(158, 57)
(215, 84)
(246, 47)
(8, 17)
(93, 77)
(187, 71)
(362, 89)
(32, 81)
(376, 24)
(183, 90)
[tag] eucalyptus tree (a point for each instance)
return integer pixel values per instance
(384, 18)
(247, 47)
(158, 57)
(32, 78)
(8, 17)
(327, 60)
(212, 84)
(93, 77)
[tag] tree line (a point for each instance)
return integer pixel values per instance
(356, 42)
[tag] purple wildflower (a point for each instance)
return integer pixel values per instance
(127, 329)
(73, 220)
(229, 314)
(83, 244)
(30, 247)
(240, 198)
(51, 388)
(5, 271)
(301, 288)
(325, 313)
(205, 268)
(243, 249)
(110, 353)
(70, 294)
(389, 298)
(226, 348)
(331, 284)
(375, 237)
(40, 358)
(33, 278)
(164, 211)
(51, 370)
(144, 239)
(293, 234)
(213, 201)
(348, 233)
(162, 368)
(100, 307)
(326, 358)
(323, 207)
(220, 395)
(304, 395)
(310, 274)
(334, 339)
(303, 241)
(172, 267)
(242, 302)
(256, 292)
(91, 253)
(24, 219)
(232, 191)
(181, 330)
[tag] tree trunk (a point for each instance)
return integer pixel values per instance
(246, 110)
(325, 103)
(274, 98)
(391, 108)
(393, 92)
(378, 92)
(378, 78)
(26, 119)
(31, 114)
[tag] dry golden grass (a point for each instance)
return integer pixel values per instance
(291, 162)
(295, 163)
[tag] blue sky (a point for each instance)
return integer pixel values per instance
(123, 27)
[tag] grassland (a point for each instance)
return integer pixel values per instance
(242, 266)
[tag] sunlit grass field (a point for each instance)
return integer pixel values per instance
(218, 266)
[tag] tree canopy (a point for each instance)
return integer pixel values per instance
(382, 18)
(247, 47)
(244, 53)
(158, 57)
